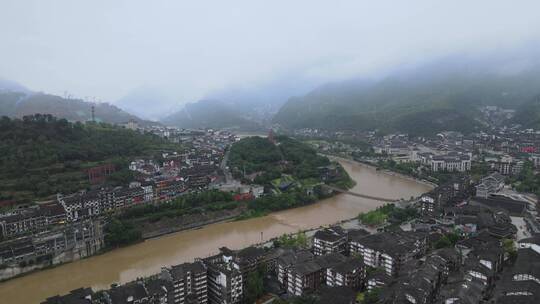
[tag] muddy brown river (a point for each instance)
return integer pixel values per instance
(125, 264)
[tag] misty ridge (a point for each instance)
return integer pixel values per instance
(363, 66)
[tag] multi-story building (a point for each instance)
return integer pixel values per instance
(189, 282)
(389, 250)
(225, 284)
(81, 205)
(33, 219)
(329, 240)
(287, 260)
(351, 273)
(451, 162)
(306, 277)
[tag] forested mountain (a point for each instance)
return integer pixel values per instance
(418, 101)
(17, 101)
(41, 155)
(210, 114)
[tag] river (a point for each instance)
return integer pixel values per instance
(125, 264)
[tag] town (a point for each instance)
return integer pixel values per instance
(474, 238)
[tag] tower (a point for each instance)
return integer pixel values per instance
(93, 113)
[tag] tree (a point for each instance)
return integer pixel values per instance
(509, 248)
(255, 288)
(372, 297)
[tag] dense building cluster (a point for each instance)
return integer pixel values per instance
(26, 229)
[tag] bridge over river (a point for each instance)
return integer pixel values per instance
(376, 198)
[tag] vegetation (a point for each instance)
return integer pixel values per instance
(527, 180)
(211, 200)
(289, 157)
(424, 103)
(120, 233)
(371, 297)
(253, 154)
(255, 288)
(387, 213)
(403, 168)
(447, 240)
(41, 155)
(509, 248)
(298, 240)
(280, 202)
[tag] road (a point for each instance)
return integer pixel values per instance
(228, 176)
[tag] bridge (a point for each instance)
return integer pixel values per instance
(371, 197)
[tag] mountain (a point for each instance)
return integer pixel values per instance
(261, 102)
(138, 100)
(528, 114)
(17, 101)
(210, 114)
(42, 155)
(421, 100)
(12, 86)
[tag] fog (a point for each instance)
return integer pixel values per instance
(152, 56)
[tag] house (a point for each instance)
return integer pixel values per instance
(462, 291)
(527, 266)
(33, 219)
(532, 243)
(224, 281)
(287, 260)
(130, 293)
(390, 250)
(307, 277)
(228, 273)
(329, 240)
(513, 207)
(304, 278)
(377, 279)
(520, 283)
(159, 291)
(189, 280)
(77, 296)
(350, 273)
(489, 185)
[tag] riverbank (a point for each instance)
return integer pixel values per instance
(385, 171)
(145, 258)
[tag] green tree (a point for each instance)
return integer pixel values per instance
(255, 285)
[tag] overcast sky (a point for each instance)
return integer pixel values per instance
(188, 49)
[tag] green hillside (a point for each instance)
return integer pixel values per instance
(41, 155)
(420, 102)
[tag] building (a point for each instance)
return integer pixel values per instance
(32, 220)
(307, 277)
(225, 285)
(389, 250)
(228, 272)
(350, 273)
(189, 281)
(489, 185)
(287, 260)
(77, 296)
(130, 293)
(329, 240)
(532, 243)
(451, 162)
